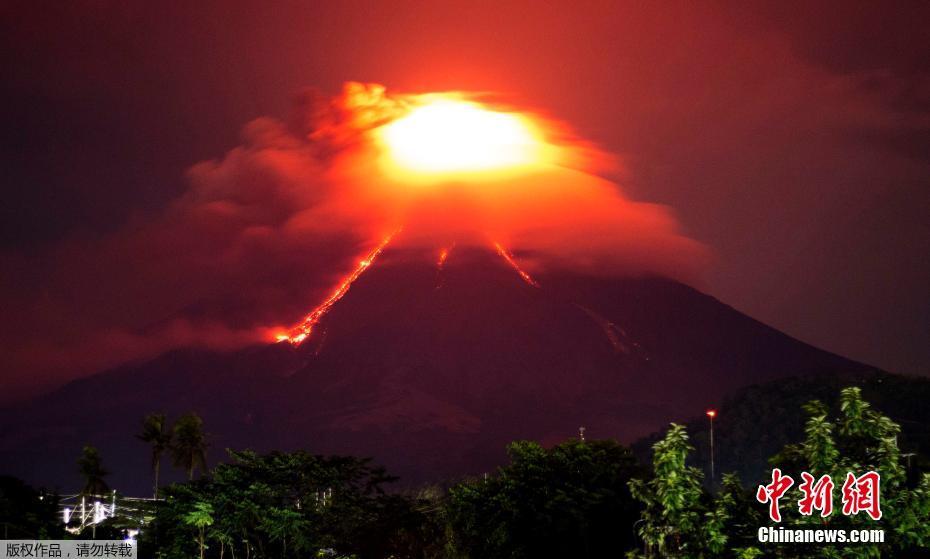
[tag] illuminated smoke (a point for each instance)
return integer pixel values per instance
(259, 232)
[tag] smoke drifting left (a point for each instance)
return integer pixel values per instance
(263, 234)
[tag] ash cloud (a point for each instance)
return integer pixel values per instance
(264, 232)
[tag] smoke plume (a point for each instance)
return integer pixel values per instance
(263, 233)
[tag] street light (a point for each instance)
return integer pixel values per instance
(711, 413)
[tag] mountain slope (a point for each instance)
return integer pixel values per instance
(431, 368)
(757, 421)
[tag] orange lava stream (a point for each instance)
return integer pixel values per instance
(302, 331)
(513, 264)
(444, 255)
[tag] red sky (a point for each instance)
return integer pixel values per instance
(792, 139)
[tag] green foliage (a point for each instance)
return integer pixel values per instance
(291, 505)
(743, 517)
(568, 501)
(200, 517)
(90, 466)
(286, 525)
(759, 421)
(858, 440)
(578, 499)
(676, 520)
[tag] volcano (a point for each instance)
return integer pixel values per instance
(431, 362)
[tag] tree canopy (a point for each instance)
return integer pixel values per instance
(568, 501)
(284, 504)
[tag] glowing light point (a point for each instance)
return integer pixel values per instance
(711, 413)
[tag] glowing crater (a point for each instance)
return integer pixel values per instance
(456, 136)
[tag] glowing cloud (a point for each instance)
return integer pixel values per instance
(268, 237)
(492, 176)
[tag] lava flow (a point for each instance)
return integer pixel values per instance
(302, 331)
(513, 264)
(443, 256)
(442, 139)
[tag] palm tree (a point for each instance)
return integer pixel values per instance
(155, 432)
(189, 448)
(91, 468)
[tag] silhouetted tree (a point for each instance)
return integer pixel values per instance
(568, 501)
(28, 513)
(91, 469)
(155, 432)
(189, 447)
(291, 505)
(286, 525)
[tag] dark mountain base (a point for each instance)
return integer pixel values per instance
(432, 370)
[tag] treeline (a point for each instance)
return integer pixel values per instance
(577, 499)
(572, 500)
(682, 519)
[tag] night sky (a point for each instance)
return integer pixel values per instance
(791, 139)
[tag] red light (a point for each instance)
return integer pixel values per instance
(711, 413)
